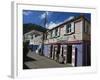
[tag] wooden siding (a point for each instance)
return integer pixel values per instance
(76, 35)
(86, 31)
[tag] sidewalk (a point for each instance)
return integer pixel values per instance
(42, 62)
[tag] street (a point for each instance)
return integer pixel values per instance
(36, 61)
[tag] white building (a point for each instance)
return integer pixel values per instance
(35, 39)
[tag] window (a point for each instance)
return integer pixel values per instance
(56, 32)
(69, 28)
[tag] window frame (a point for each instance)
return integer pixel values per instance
(71, 28)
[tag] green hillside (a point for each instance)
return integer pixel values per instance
(29, 27)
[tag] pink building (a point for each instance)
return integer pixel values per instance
(69, 42)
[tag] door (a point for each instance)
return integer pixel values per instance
(69, 53)
(75, 56)
(88, 56)
(51, 51)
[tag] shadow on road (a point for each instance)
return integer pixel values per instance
(25, 57)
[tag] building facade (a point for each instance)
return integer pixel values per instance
(69, 42)
(35, 39)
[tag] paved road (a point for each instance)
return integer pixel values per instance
(42, 62)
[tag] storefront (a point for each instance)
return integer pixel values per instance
(74, 54)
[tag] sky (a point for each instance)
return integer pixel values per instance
(53, 18)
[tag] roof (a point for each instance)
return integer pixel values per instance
(33, 32)
(66, 22)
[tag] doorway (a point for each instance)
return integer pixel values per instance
(69, 54)
(75, 56)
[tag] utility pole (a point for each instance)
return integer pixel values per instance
(45, 19)
(45, 25)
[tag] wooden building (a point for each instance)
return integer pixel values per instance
(69, 42)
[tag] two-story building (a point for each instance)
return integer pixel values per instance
(35, 39)
(69, 42)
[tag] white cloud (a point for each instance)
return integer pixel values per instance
(42, 16)
(71, 17)
(52, 24)
(27, 13)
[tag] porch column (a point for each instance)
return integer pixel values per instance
(73, 55)
(52, 52)
(65, 53)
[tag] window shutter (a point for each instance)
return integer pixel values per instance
(72, 27)
(58, 34)
(64, 29)
(53, 33)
